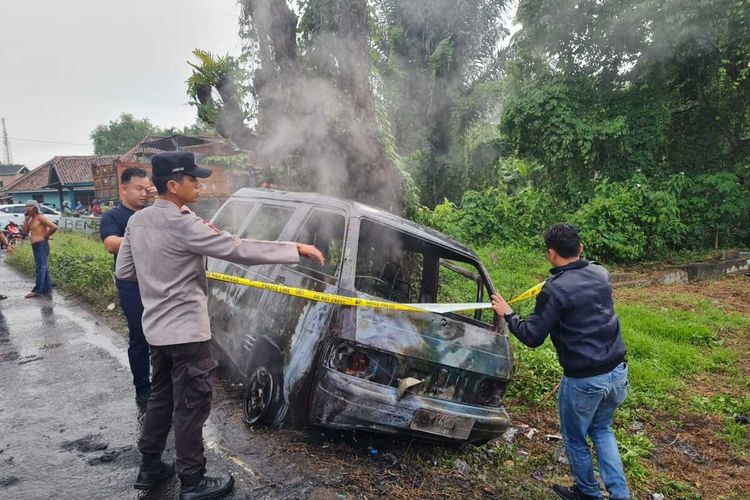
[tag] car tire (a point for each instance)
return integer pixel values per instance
(263, 394)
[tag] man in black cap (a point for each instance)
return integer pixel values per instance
(164, 249)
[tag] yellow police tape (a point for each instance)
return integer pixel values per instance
(357, 302)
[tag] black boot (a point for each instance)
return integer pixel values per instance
(152, 472)
(199, 487)
(571, 493)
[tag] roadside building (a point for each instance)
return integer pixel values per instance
(215, 189)
(63, 178)
(9, 173)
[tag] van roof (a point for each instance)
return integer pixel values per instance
(356, 209)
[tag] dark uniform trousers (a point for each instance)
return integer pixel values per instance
(180, 391)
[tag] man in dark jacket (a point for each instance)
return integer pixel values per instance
(576, 309)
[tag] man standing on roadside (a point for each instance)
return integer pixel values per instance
(135, 188)
(39, 228)
(165, 249)
(576, 308)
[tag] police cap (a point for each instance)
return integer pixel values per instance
(176, 162)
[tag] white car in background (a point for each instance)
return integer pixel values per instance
(15, 213)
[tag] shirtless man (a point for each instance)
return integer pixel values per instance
(39, 228)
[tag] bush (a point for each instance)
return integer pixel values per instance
(77, 264)
(628, 221)
(495, 217)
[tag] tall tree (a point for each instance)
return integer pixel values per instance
(308, 105)
(609, 88)
(438, 59)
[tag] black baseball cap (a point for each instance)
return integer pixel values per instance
(176, 162)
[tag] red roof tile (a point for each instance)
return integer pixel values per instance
(36, 179)
(68, 169)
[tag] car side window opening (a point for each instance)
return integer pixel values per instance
(230, 217)
(325, 230)
(396, 266)
(390, 264)
(460, 282)
(268, 223)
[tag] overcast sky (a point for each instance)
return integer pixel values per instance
(68, 65)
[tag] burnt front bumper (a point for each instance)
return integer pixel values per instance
(346, 402)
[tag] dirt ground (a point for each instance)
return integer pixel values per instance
(690, 449)
(687, 449)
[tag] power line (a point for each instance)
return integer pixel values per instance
(50, 142)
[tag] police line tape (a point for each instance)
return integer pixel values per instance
(358, 302)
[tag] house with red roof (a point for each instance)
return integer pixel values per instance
(63, 178)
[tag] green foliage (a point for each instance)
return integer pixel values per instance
(630, 221)
(494, 216)
(627, 221)
(633, 447)
(716, 209)
(223, 73)
(438, 61)
(734, 433)
(120, 135)
(77, 264)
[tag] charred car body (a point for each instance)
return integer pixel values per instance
(439, 376)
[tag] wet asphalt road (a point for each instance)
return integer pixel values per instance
(68, 421)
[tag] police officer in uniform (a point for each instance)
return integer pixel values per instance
(164, 249)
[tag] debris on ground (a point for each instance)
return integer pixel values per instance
(108, 456)
(462, 467)
(510, 434)
(87, 444)
(8, 480)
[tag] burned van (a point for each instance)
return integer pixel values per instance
(439, 376)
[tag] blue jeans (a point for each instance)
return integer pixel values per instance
(41, 257)
(138, 350)
(587, 407)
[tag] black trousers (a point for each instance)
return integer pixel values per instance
(132, 308)
(180, 392)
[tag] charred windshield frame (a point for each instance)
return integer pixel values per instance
(378, 270)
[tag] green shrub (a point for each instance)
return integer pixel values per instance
(495, 217)
(77, 264)
(628, 221)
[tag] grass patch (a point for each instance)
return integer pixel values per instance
(670, 339)
(78, 264)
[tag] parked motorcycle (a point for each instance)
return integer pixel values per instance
(14, 234)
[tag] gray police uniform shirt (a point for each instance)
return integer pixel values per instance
(164, 250)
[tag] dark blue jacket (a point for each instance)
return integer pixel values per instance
(575, 307)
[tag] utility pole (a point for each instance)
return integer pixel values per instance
(8, 158)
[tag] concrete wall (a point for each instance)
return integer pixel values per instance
(703, 270)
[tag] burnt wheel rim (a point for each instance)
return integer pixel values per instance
(258, 396)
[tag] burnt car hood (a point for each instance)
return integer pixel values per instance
(435, 338)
